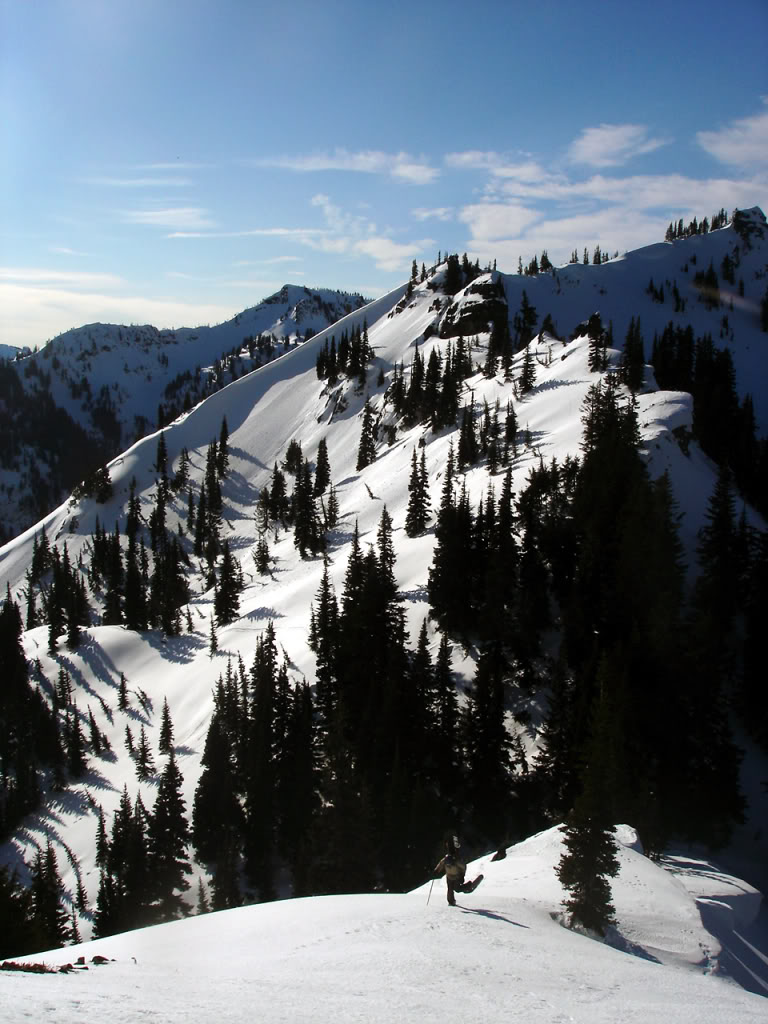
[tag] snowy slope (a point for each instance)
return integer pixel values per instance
(264, 411)
(498, 956)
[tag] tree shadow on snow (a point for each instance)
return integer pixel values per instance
(490, 914)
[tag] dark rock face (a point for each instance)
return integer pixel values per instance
(749, 224)
(482, 303)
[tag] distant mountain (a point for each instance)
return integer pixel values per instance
(92, 391)
(484, 552)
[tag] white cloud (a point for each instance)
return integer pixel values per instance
(492, 221)
(743, 141)
(473, 159)
(390, 255)
(414, 173)
(180, 217)
(400, 166)
(610, 145)
(438, 213)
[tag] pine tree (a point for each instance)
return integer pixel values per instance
(261, 556)
(322, 469)
(203, 904)
(366, 451)
(222, 451)
(168, 837)
(50, 917)
(226, 602)
(166, 730)
(307, 534)
(488, 746)
(122, 693)
(527, 373)
(77, 763)
(332, 510)
(145, 763)
(417, 514)
(216, 810)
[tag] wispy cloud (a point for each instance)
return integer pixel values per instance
(352, 234)
(339, 220)
(743, 141)
(611, 145)
(390, 255)
(641, 192)
(438, 213)
(179, 217)
(49, 276)
(173, 165)
(274, 259)
(64, 250)
(401, 166)
(138, 182)
(297, 233)
(500, 165)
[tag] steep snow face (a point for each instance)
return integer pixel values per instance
(498, 956)
(284, 400)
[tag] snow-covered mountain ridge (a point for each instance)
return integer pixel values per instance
(286, 401)
(116, 383)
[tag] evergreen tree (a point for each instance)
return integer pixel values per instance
(50, 917)
(20, 934)
(222, 450)
(417, 514)
(226, 602)
(488, 746)
(122, 693)
(145, 763)
(77, 763)
(322, 469)
(203, 904)
(590, 857)
(217, 817)
(307, 534)
(166, 730)
(168, 837)
(527, 380)
(366, 451)
(261, 556)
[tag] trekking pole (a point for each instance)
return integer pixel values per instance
(430, 891)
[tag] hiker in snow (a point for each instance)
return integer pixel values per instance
(454, 869)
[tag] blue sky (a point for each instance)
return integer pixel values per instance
(175, 162)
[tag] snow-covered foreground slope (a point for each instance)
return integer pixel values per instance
(498, 956)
